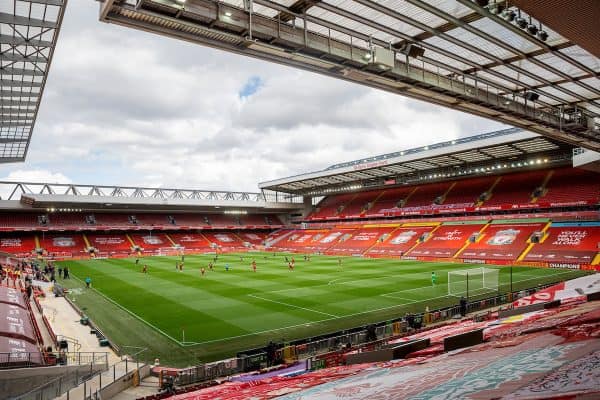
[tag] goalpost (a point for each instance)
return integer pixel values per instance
(472, 281)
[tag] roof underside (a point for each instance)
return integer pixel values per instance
(28, 34)
(505, 151)
(35, 195)
(473, 60)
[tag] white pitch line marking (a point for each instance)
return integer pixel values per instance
(188, 343)
(331, 319)
(292, 305)
(133, 314)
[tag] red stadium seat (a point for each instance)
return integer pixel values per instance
(446, 241)
(571, 244)
(501, 241)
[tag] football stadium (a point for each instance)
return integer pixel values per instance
(466, 268)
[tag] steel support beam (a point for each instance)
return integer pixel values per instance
(19, 41)
(202, 22)
(6, 18)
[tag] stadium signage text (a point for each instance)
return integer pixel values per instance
(564, 265)
(369, 165)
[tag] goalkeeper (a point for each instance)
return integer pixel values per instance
(433, 278)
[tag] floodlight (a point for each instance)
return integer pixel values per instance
(508, 15)
(520, 21)
(531, 28)
(542, 34)
(496, 8)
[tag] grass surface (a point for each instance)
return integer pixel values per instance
(184, 317)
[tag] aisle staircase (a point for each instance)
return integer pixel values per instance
(531, 244)
(490, 191)
(339, 211)
(170, 240)
(543, 187)
(468, 242)
(372, 203)
(418, 242)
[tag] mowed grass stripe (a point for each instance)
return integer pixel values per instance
(183, 306)
(230, 310)
(139, 295)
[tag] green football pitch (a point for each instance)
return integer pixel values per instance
(183, 317)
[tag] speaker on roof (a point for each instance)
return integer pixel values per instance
(531, 96)
(414, 51)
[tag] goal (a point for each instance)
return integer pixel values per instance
(169, 251)
(472, 281)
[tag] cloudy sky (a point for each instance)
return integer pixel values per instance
(131, 108)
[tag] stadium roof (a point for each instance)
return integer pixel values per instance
(495, 152)
(28, 33)
(454, 53)
(72, 197)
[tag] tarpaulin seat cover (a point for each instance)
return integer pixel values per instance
(18, 351)
(12, 296)
(16, 323)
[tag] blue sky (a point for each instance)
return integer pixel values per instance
(252, 86)
(131, 108)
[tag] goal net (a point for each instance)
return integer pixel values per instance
(169, 251)
(472, 281)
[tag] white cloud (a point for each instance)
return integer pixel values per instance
(132, 108)
(36, 175)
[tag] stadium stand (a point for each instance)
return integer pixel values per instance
(359, 204)
(187, 220)
(113, 220)
(329, 239)
(516, 188)
(399, 241)
(66, 219)
(389, 199)
(67, 244)
(331, 206)
(467, 193)
(501, 240)
(569, 186)
(112, 244)
(424, 196)
(447, 240)
(296, 240)
(361, 240)
(225, 240)
(152, 219)
(256, 238)
(191, 241)
(150, 242)
(567, 244)
(223, 220)
(536, 189)
(19, 244)
(9, 221)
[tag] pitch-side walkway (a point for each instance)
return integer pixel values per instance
(65, 321)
